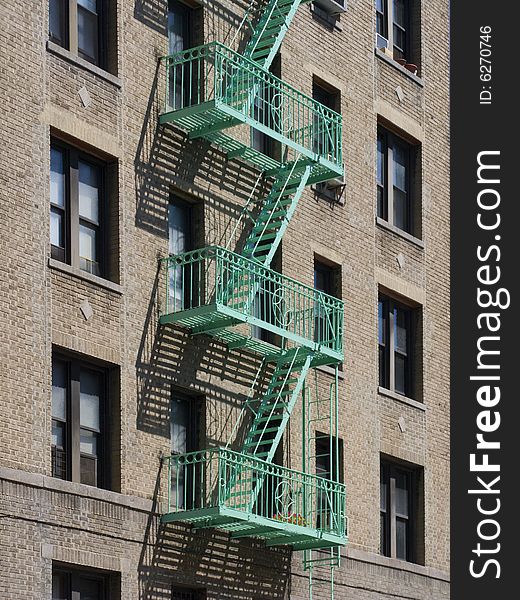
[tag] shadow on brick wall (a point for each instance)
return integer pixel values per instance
(220, 21)
(207, 558)
(169, 357)
(167, 160)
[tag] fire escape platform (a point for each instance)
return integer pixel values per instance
(215, 319)
(249, 497)
(222, 289)
(211, 88)
(244, 524)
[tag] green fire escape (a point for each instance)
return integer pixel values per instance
(213, 92)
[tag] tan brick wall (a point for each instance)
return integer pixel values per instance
(39, 305)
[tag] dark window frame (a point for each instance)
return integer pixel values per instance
(72, 220)
(332, 276)
(330, 97)
(72, 426)
(195, 428)
(73, 575)
(386, 19)
(385, 209)
(389, 516)
(387, 348)
(69, 21)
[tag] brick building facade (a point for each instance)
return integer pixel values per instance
(83, 316)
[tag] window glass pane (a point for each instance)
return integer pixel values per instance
(90, 5)
(400, 210)
(89, 191)
(383, 490)
(59, 389)
(380, 4)
(177, 27)
(400, 12)
(58, 434)
(401, 531)
(400, 155)
(57, 19)
(89, 589)
(402, 488)
(56, 228)
(323, 459)
(88, 442)
(400, 374)
(87, 243)
(57, 178)
(401, 326)
(88, 470)
(179, 227)
(90, 390)
(380, 161)
(88, 31)
(59, 586)
(179, 424)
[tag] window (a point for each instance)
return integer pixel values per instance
(329, 465)
(78, 26)
(397, 326)
(399, 509)
(397, 185)
(398, 21)
(327, 279)
(182, 593)
(182, 284)
(330, 98)
(268, 303)
(322, 143)
(78, 207)
(185, 431)
(266, 111)
(83, 584)
(179, 39)
(79, 432)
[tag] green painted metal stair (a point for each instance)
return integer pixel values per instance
(275, 406)
(276, 212)
(270, 30)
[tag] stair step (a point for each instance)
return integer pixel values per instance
(270, 418)
(262, 431)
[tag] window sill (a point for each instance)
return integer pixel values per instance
(84, 64)
(400, 398)
(330, 371)
(399, 68)
(394, 563)
(395, 230)
(36, 480)
(99, 281)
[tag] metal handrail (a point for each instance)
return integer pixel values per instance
(221, 477)
(214, 72)
(215, 275)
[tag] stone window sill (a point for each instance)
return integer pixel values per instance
(400, 398)
(395, 230)
(399, 68)
(83, 275)
(84, 64)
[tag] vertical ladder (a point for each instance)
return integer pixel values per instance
(319, 411)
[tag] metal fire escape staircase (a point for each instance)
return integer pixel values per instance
(210, 92)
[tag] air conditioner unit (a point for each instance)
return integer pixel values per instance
(334, 184)
(382, 44)
(332, 7)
